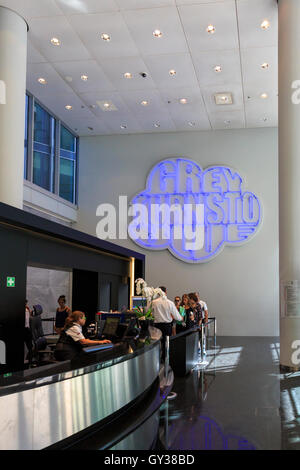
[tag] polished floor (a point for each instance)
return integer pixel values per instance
(238, 401)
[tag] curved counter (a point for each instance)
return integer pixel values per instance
(41, 407)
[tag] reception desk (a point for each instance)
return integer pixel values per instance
(55, 404)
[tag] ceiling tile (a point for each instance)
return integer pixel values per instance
(55, 84)
(190, 117)
(251, 13)
(254, 74)
(91, 99)
(205, 63)
(33, 55)
(133, 100)
(43, 29)
(97, 80)
(116, 68)
(142, 23)
(160, 65)
(227, 120)
(90, 28)
(33, 8)
(234, 88)
(196, 18)
(196, 2)
(138, 4)
(77, 7)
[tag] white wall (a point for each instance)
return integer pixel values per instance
(241, 284)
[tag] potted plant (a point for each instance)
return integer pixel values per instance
(144, 312)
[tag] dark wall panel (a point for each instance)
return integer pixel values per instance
(13, 262)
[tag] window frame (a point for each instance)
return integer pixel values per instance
(28, 171)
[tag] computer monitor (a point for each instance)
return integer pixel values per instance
(111, 326)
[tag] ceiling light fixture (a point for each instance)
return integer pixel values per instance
(42, 81)
(157, 33)
(183, 101)
(105, 37)
(68, 107)
(264, 96)
(123, 126)
(211, 29)
(84, 78)
(144, 103)
(127, 75)
(218, 68)
(157, 125)
(192, 124)
(172, 72)
(106, 105)
(265, 25)
(223, 98)
(265, 65)
(55, 42)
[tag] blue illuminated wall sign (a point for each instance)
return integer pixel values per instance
(231, 214)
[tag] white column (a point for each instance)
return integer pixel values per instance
(13, 53)
(289, 174)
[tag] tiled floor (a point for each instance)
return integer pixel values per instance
(240, 401)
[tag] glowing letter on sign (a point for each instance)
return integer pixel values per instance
(193, 212)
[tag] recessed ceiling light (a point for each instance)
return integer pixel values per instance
(264, 96)
(265, 25)
(223, 98)
(127, 75)
(68, 107)
(55, 42)
(172, 72)
(192, 124)
(210, 29)
(144, 103)
(183, 101)
(42, 81)
(105, 37)
(218, 68)
(123, 126)
(106, 105)
(157, 33)
(157, 125)
(84, 78)
(265, 65)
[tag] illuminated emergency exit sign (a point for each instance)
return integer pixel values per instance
(10, 281)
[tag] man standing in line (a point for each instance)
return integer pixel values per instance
(164, 312)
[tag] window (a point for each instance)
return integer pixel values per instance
(43, 148)
(50, 156)
(67, 164)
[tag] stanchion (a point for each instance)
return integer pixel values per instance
(171, 395)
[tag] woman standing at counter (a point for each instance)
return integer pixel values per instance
(61, 314)
(71, 340)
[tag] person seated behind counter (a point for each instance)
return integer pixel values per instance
(61, 314)
(71, 340)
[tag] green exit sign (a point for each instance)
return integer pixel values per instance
(10, 281)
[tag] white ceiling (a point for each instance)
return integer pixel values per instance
(239, 45)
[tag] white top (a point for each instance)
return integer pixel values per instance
(27, 316)
(203, 304)
(164, 311)
(75, 332)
